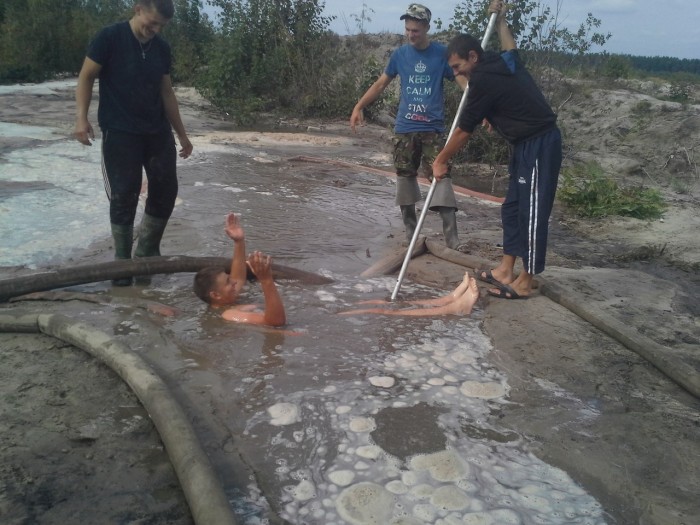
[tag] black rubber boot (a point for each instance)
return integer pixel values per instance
(123, 240)
(410, 221)
(150, 235)
(449, 227)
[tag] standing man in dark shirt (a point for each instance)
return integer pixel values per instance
(137, 113)
(503, 92)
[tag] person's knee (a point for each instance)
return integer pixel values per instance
(122, 208)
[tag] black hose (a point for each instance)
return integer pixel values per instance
(62, 277)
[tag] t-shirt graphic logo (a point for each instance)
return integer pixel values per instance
(420, 67)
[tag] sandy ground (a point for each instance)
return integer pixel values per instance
(71, 432)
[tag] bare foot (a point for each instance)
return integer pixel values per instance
(522, 286)
(460, 306)
(446, 299)
(503, 276)
(465, 303)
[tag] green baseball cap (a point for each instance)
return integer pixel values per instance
(418, 12)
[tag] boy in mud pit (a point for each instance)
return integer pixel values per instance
(218, 288)
(460, 302)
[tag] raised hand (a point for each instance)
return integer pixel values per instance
(233, 227)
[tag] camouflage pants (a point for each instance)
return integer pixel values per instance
(411, 150)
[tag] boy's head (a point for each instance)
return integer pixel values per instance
(417, 12)
(417, 22)
(463, 54)
(214, 286)
(165, 8)
(150, 17)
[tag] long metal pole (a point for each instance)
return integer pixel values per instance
(462, 103)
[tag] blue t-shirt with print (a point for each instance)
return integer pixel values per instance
(422, 72)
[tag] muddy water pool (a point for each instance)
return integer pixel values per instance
(352, 419)
(340, 419)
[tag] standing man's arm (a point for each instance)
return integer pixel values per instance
(458, 140)
(372, 94)
(172, 112)
(504, 33)
(83, 131)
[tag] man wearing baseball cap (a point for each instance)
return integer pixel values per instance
(420, 121)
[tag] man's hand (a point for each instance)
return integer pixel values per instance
(356, 119)
(185, 147)
(439, 169)
(233, 227)
(83, 132)
(499, 7)
(261, 266)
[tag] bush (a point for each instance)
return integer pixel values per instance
(590, 193)
(270, 54)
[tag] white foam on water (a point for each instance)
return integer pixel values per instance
(304, 491)
(326, 296)
(365, 503)
(283, 414)
(362, 424)
(61, 206)
(483, 390)
(342, 478)
(470, 481)
(382, 381)
(442, 466)
(369, 451)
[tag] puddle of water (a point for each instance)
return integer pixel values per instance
(369, 419)
(354, 420)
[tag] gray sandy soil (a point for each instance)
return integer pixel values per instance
(78, 448)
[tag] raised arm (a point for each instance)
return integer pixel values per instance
(83, 131)
(234, 230)
(372, 94)
(504, 33)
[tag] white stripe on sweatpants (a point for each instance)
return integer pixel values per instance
(108, 188)
(532, 221)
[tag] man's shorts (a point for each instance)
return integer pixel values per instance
(413, 149)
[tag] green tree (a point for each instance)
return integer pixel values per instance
(189, 34)
(39, 38)
(616, 66)
(536, 27)
(268, 54)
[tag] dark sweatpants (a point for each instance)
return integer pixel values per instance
(534, 173)
(124, 157)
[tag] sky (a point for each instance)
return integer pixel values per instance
(638, 27)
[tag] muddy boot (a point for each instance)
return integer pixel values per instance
(449, 227)
(408, 214)
(150, 235)
(123, 240)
